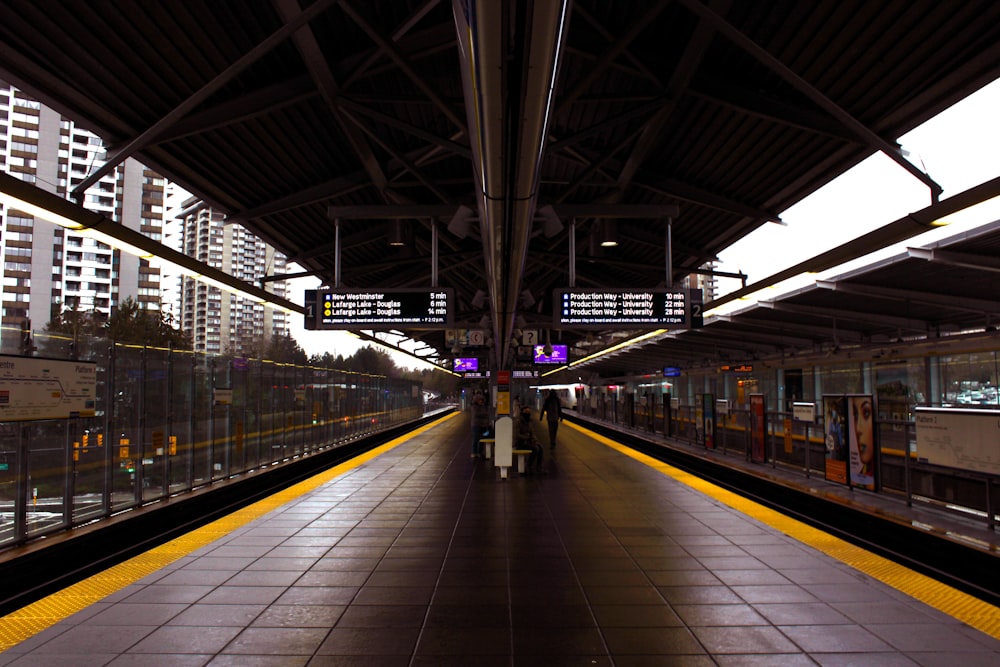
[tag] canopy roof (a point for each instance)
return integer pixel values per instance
(507, 125)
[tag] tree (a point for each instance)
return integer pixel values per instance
(72, 327)
(286, 349)
(374, 362)
(327, 360)
(435, 381)
(283, 349)
(131, 323)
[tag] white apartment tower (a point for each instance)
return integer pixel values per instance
(218, 321)
(47, 268)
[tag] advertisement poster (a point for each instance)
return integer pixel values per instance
(835, 430)
(758, 428)
(861, 439)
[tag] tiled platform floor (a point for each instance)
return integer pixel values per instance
(423, 557)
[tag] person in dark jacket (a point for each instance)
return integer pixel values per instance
(552, 409)
(481, 423)
(524, 438)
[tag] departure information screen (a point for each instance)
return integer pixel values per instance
(628, 308)
(380, 308)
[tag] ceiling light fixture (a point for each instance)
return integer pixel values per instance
(397, 234)
(609, 234)
(460, 222)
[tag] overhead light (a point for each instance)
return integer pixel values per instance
(479, 299)
(45, 205)
(552, 225)
(527, 298)
(609, 234)
(124, 246)
(397, 233)
(619, 346)
(15, 193)
(459, 224)
(38, 211)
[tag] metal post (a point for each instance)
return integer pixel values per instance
(906, 466)
(808, 448)
(23, 485)
(168, 427)
(991, 521)
(110, 439)
(261, 455)
(192, 412)
(434, 253)
(670, 254)
(211, 421)
(336, 253)
(140, 445)
(74, 432)
(572, 253)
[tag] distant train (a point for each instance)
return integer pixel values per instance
(568, 394)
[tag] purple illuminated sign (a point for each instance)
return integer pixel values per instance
(466, 364)
(560, 355)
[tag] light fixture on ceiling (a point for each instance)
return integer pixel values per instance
(608, 234)
(460, 222)
(39, 203)
(479, 299)
(397, 233)
(552, 225)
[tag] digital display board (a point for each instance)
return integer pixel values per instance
(466, 364)
(560, 355)
(427, 307)
(622, 308)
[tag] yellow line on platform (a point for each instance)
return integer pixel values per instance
(962, 606)
(37, 616)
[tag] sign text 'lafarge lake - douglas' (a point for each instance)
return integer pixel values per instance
(380, 308)
(621, 307)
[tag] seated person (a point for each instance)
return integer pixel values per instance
(524, 438)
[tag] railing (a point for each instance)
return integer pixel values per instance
(167, 422)
(800, 446)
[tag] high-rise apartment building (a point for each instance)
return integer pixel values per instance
(47, 268)
(219, 321)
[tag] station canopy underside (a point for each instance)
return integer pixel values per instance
(526, 132)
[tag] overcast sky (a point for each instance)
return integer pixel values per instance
(959, 149)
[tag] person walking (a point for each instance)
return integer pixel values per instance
(480, 423)
(525, 439)
(552, 410)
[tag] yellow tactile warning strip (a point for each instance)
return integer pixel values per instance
(966, 608)
(32, 619)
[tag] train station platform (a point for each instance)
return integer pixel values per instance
(415, 554)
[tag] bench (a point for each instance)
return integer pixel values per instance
(487, 444)
(522, 459)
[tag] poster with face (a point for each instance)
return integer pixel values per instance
(835, 437)
(861, 437)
